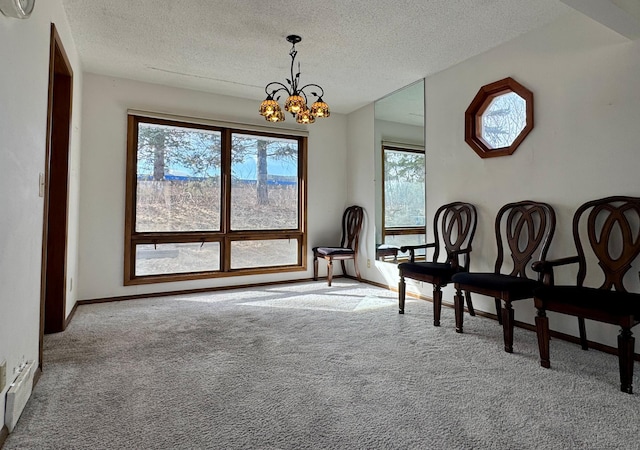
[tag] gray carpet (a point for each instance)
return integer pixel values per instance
(304, 366)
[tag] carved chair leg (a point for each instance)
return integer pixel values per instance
(458, 307)
(437, 304)
(542, 331)
(583, 334)
(355, 266)
(507, 326)
(467, 296)
(499, 310)
(626, 343)
(329, 272)
(401, 294)
(315, 267)
(344, 267)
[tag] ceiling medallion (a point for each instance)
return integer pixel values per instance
(296, 102)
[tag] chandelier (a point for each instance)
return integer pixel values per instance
(296, 102)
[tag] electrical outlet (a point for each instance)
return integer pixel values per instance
(368, 263)
(3, 374)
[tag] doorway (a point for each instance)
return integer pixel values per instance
(56, 184)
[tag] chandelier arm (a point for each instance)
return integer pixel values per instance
(303, 94)
(273, 92)
(311, 85)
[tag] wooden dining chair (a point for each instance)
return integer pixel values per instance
(527, 228)
(348, 249)
(611, 229)
(455, 225)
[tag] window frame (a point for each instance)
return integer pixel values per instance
(225, 236)
(399, 231)
(473, 117)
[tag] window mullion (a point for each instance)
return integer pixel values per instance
(226, 200)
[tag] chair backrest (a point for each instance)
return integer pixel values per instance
(613, 232)
(527, 228)
(351, 225)
(457, 222)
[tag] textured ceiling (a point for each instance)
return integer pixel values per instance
(358, 51)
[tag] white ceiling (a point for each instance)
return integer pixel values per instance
(358, 51)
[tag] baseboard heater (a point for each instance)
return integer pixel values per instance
(18, 394)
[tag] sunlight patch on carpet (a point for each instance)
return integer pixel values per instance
(324, 302)
(223, 296)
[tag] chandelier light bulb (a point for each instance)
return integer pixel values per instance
(269, 107)
(277, 116)
(305, 117)
(320, 109)
(295, 104)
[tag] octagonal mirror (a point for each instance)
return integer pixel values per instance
(499, 118)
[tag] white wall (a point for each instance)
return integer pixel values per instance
(361, 183)
(105, 104)
(586, 84)
(24, 74)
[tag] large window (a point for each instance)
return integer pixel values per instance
(403, 196)
(206, 201)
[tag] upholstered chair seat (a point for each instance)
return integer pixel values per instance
(334, 251)
(432, 268)
(586, 299)
(518, 287)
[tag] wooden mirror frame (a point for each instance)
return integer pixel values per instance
(482, 100)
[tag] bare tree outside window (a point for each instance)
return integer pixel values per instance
(404, 196)
(403, 189)
(264, 190)
(178, 179)
(504, 120)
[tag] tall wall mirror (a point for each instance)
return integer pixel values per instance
(400, 172)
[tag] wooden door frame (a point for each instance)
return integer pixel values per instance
(56, 192)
